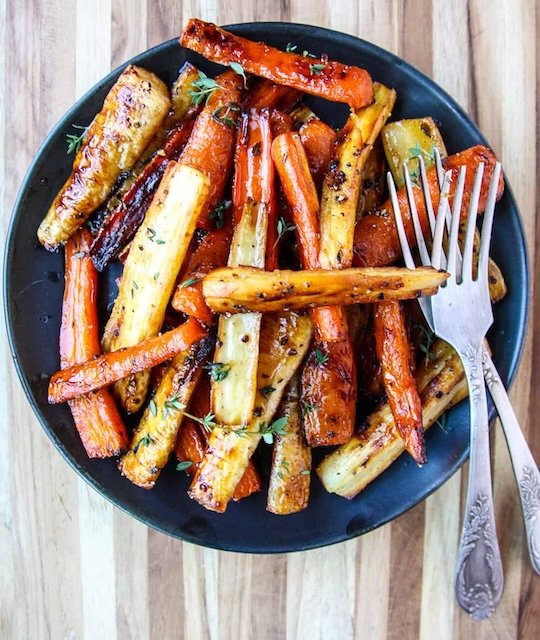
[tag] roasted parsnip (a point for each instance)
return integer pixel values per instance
(155, 435)
(351, 467)
(288, 491)
(240, 289)
(132, 112)
(151, 268)
(317, 76)
(237, 350)
(284, 342)
(342, 182)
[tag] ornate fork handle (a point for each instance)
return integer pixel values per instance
(525, 469)
(479, 576)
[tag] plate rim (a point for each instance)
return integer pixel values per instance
(514, 360)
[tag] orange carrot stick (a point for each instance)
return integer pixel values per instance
(293, 170)
(393, 351)
(318, 140)
(210, 147)
(96, 415)
(376, 243)
(268, 95)
(211, 253)
(100, 372)
(317, 76)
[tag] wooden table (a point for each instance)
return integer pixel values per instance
(71, 565)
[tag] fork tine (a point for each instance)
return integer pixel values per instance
(425, 189)
(453, 246)
(437, 253)
(487, 225)
(439, 167)
(420, 241)
(405, 248)
(466, 272)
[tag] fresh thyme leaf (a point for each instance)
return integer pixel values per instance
(266, 391)
(416, 151)
(151, 233)
(305, 472)
(160, 241)
(427, 340)
(290, 47)
(218, 213)
(143, 442)
(306, 408)
(442, 421)
(317, 69)
(202, 89)
(282, 227)
(152, 407)
(307, 54)
(268, 431)
(171, 405)
(183, 465)
(156, 275)
(321, 356)
(135, 284)
(74, 142)
(189, 282)
(207, 422)
(237, 68)
(223, 114)
(218, 370)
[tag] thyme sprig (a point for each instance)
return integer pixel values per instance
(74, 142)
(202, 89)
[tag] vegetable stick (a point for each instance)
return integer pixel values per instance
(151, 269)
(394, 353)
(211, 253)
(376, 243)
(316, 76)
(192, 440)
(280, 122)
(210, 147)
(342, 182)
(301, 115)
(293, 170)
(351, 467)
(372, 181)
(234, 389)
(318, 140)
(268, 95)
(240, 289)
(155, 435)
(99, 372)
(284, 341)
(122, 223)
(332, 423)
(288, 491)
(132, 112)
(96, 416)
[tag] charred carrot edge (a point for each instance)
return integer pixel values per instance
(293, 170)
(376, 243)
(211, 254)
(320, 77)
(210, 147)
(318, 140)
(192, 440)
(269, 95)
(96, 416)
(394, 352)
(124, 221)
(100, 372)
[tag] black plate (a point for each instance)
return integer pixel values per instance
(33, 297)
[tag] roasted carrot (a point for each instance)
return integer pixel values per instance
(269, 95)
(294, 174)
(318, 140)
(211, 253)
(120, 227)
(329, 375)
(376, 242)
(96, 415)
(210, 147)
(394, 353)
(317, 76)
(280, 122)
(100, 372)
(192, 440)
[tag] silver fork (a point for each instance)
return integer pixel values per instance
(461, 314)
(525, 468)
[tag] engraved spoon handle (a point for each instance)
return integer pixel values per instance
(479, 575)
(525, 468)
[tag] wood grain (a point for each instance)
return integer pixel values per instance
(73, 566)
